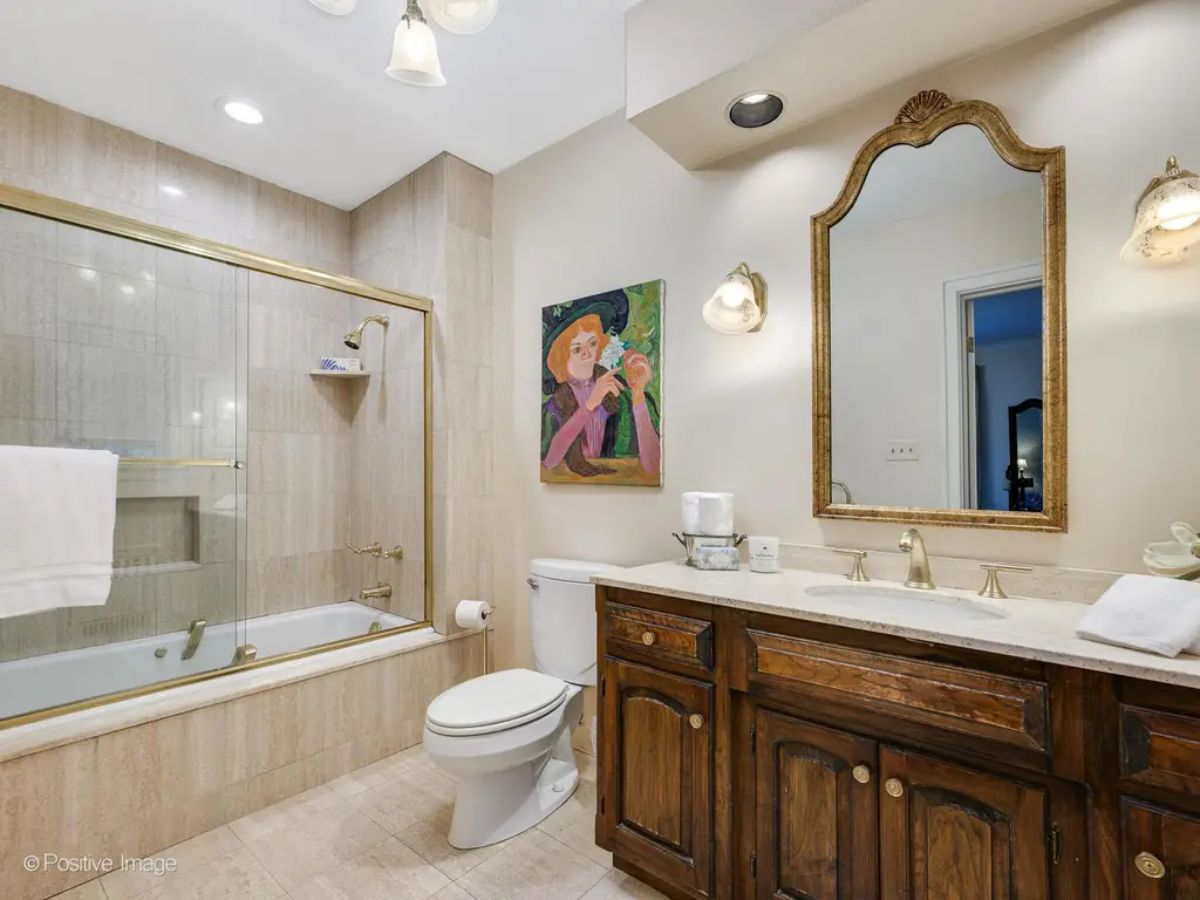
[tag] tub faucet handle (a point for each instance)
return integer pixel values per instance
(374, 549)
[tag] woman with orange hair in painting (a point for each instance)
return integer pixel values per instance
(592, 400)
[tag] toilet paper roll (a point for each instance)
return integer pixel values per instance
(472, 614)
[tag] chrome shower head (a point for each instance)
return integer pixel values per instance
(353, 338)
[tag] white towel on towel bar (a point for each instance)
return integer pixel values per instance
(58, 509)
(1146, 612)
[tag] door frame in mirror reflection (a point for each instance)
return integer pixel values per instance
(961, 475)
(919, 122)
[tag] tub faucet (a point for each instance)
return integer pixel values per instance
(919, 575)
(379, 592)
(195, 635)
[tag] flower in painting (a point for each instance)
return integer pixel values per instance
(611, 357)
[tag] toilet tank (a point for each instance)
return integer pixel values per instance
(562, 617)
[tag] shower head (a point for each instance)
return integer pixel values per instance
(353, 338)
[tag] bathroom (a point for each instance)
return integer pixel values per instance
(253, 707)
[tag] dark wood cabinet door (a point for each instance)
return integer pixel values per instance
(1161, 853)
(946, 831)
(656, 757)
(817, 818)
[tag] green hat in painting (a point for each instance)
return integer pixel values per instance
(611, 306)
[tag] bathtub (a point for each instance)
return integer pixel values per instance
(40, 682)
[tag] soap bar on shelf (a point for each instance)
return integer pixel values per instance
(719, 559)
(340, 364)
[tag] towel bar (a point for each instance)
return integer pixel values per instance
(154, 461)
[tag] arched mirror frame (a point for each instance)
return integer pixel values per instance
(918, 123)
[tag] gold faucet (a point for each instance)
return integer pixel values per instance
(195, 635)
(379, 592)
(919, 575)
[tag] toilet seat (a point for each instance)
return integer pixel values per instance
(495, 702)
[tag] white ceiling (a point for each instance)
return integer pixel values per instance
(336, 127)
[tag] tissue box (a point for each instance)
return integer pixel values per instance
(717, 559)
(340, 364)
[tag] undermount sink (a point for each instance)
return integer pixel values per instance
(900, 601)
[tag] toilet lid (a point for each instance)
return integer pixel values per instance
(495, 701)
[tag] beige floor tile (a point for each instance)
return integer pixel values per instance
(88, 891)
(452, 892)
(367, 778)
(285, 813)
(388, 871)
(429, 840)
(186, 856)
(574, 824)
(620, 886)
(317, 843)
(534, 866)
(415, 795)
(238, 876)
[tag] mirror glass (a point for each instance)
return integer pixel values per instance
(936, 331)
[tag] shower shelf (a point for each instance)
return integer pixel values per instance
(327, 373)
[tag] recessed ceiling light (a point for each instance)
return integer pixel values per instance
(755, 109)
(241, 111)
(171, 190)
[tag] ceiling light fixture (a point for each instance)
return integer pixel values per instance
(755, 109)
(242, 111)
(463, 16)
(739, 304)
(414, 51)
(335, 7)
(1167, 223)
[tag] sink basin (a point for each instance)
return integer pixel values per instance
(893, 601)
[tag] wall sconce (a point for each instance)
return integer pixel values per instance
(739, 304)
(1167, 223)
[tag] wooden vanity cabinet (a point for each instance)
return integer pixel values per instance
(745, 755)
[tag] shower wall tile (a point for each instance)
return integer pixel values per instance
(24, 235)
(28, 296)
(100, 309)
(27, 378)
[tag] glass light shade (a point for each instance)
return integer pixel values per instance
(739, 304)
(1167, 224)
(415, 55)
(335, 7)
(463, 16)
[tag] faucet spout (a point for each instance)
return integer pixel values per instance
(379, 592)
(919, 575)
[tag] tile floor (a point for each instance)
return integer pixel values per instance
(379, 834)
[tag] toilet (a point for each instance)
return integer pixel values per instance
(506, 736)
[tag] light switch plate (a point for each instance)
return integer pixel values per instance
(901, 451)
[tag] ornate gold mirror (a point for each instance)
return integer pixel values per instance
(939, 341)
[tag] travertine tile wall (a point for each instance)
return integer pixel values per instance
(140, 789)
(178, 330)
(431, 233)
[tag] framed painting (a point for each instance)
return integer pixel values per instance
(602, 388)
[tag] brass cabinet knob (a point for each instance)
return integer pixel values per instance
(1149, 865)
(894, 787)
(862, 774)
(696, 720)
(647, 638)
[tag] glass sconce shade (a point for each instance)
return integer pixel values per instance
(739, 304)
(463, 16)
(1167, 223)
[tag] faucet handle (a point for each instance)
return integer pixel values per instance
(991, 586)
(858, 571)
(373, 549)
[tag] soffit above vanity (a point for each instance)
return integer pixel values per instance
(820, 57)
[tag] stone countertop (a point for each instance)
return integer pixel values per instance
(1031, 629)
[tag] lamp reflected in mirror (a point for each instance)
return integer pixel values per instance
(1166, 224)
(739, 304)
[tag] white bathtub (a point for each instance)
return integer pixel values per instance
(56, 678)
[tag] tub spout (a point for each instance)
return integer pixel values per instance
(379, 592)
(195, 636)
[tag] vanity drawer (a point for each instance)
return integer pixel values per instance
(1160, 748)
(666, 636)
(997, 707)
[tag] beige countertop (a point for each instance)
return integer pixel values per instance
(1031, 629)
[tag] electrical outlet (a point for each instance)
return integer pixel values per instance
(901, 451)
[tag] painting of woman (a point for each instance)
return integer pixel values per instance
(601, 417)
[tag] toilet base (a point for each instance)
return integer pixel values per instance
(494, 807)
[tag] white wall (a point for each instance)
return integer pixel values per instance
(607, 207)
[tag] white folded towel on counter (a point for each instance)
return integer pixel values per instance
(58, 509)
(1146, 612)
